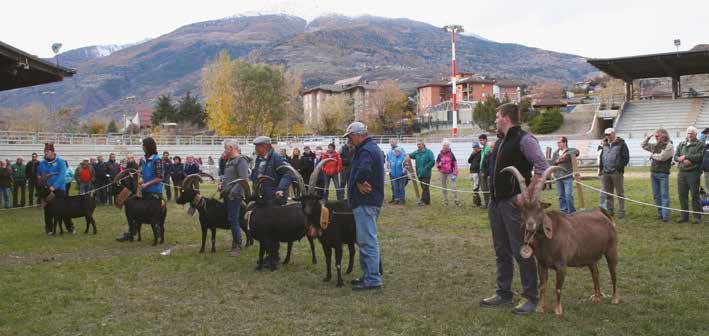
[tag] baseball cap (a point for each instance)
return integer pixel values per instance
(609, 130)
(355, 128)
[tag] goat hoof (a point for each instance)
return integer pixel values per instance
(340, 284)
(285, 262)
(615, 301)
(259, 268)
(326, 279)
(559, 312)
(201, 251)
(213, 251)
(349, 271)
(315, 261)
(541, 309)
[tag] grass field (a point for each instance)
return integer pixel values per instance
(438, 261)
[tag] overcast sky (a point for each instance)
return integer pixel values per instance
(597, 28)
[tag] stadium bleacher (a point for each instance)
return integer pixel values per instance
(640, 117)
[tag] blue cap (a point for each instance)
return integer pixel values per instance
(476, 145)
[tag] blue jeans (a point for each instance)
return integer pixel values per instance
(233, 207)
(336, 180)
(398, 187)
(84, 188)
(5, 193)
(661, 193)
(366, 221)
(565, 190)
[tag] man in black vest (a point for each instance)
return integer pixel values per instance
(519, 149)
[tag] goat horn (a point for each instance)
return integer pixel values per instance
(298, 177)
(191, 181)
(545, 175)
(122, 175)
(257, 184)
(520, 180)
(314, 175)
(203, 174)
(244, 185)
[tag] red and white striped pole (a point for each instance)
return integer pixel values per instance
(453, 29)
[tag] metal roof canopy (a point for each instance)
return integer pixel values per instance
(673, 64)
(20, 69)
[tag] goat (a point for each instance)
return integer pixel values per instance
(332, 223)
(271, 224)
(137, 209)
(212, 213)
(559, 241)
(60, 209)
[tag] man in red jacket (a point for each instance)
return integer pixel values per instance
(332, 170)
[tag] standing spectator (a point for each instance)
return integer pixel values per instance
(199, 161)
(393, 143)
(69, 177)
(565, 182)
(447, 166)
(222, 165)
(484, 177)
(365, 196)
(113, 168)
(177, 174)
(19, 183)
(131, 163)
(296, 161)
(689, 155)
(5, 183)
(398, 175)
(284, 154)
(332, 171)
(346, 154)
(614, 158)
(167, 172)
(519, 149)
(191, 166)
(56, 167)
(705, 160)
(210, 160)
(474, 161)
(307, 164)
(662, 151)
(101, 179)
(84, 176)
(424, 163)
(31, 174)
(236, 168)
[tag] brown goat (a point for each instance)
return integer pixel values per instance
(559, 241)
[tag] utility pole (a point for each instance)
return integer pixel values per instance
(453, 29)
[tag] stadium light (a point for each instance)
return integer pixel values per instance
(677, 44)
(55, 48)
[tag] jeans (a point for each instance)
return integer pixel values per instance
(565, 190)
(84, 188)
(168, 192)
(399, 188)
(449, 179)
(507, 238)
(369, 259)
(661, 193)
(5, 195)
(233, 207)
(336, 180)
(689, 182)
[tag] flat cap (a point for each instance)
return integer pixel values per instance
(262, 140)
(355, 128)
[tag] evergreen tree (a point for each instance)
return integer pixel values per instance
(484, 113)
(190, 111)
(112, 127)
(164, 110)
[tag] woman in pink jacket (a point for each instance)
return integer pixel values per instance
(448, 168)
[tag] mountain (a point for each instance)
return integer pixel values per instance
(325, 50)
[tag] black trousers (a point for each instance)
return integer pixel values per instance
(508, 237)
(425, 190)
(18, 189)
(31, 187)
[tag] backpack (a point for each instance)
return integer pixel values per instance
(85, 175)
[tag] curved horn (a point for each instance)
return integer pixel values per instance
(257, 184)
(122, 175)
(314, 175)
(244, 183)
(191, 181)
(298, 177)
(520, 180)
(545, 176)
(203, 174)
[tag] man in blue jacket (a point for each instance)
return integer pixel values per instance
(269, 163)
(56, 166)
(365, 193)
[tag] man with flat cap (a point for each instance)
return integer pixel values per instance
(268, 163)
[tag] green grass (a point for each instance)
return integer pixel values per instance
(438, 261)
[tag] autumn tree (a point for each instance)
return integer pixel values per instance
(337, 113)
(613, 92)
(32, 118)
(389, 104)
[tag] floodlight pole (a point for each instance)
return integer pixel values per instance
(453, 29)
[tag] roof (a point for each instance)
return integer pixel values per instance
(507, 83)
(548, 102)
(339, 88)
(436, 83)
(20, 69)
(655, 65)
(475, 80)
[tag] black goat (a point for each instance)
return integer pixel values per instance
(212, 213)
(137, 209)
(272, 224)
(58, 209)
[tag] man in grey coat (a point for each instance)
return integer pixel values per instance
(614, 157)
(235, 169)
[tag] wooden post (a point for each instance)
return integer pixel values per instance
(412, 177)
(577, 177)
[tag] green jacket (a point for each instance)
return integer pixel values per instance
(483, 153)
(19, 174)
(424, 162)
(694, 152)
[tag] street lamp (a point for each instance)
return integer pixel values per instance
(55, 48)
(453, 29)
(677, 44)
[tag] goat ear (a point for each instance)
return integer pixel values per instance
(545, 205)
(548, 230)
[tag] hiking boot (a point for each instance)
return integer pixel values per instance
(235, 251)
(445, 203)
(362, 287)
(621, 215)
(525, 307)
(682, 220)
(357, 282)
(125, 237)
(457, 203)
(495, 301)
(696, 221)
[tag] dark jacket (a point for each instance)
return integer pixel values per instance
(614, 157)
(705, 159)
(100, 172)
(508, 153)
(112, 168)
(271, 166)
(565, 163)
(346, 154)
(192, 168)
(5, 177)
(307, 164)
(367, 166)
(694, 152)
(166, 169)
(661, 155)
(474, 161)
(178, 172)
(31, 170)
